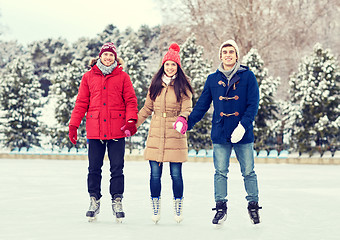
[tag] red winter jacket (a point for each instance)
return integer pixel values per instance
(108, 102)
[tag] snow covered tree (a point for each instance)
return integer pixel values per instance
(8, 51)
(46, 54)
(198, 69)
(131, 53)
(313, 117)
(135, 67)
(111, 33)
(86, 49)
(264, 129)
(20, 99)
(65, 89)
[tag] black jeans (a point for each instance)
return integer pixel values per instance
(96, 153)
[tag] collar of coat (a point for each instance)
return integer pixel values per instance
(234, 79)
(115, 71)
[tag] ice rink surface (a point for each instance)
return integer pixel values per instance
(47, 199)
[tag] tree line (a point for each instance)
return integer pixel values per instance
(39, 84)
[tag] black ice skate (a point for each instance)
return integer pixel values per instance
(117, 208)
(253, 210)
(93, 209)
(221, 214)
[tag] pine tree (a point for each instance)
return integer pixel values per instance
(65, 88)
(20, 100)
(111, 33)
(264, 129)
(46, 54)
(8, 51)
(197, 69)
(132, 56)
(313, 117)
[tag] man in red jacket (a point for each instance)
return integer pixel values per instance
(107, 97)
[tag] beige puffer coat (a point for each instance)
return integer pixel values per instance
(165, 144)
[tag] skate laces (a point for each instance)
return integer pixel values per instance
(220, 213)
(93, 204)
(221, 209)
(253, 206)
(155, 205)
(178, 202)
(117, 205)
(253, 209)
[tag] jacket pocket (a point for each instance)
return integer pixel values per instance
(92, 124)
(117, 121)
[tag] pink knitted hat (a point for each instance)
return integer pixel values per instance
(172, 54)
(108, 47)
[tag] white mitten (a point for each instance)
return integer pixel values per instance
(179, 126)
(238, 133)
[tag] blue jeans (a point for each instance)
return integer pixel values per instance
(176, 176)
(245, 156)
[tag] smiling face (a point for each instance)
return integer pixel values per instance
(170, 68)
(107, 58)
(228, 57)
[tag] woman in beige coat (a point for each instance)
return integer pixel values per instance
(169, 101)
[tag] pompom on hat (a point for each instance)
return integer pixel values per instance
(173, 54)
(108, 47)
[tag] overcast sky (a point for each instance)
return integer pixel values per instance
(29, 20)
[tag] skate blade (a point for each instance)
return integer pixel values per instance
(155, 219)
(255, 223)
(92, 219)
(119, 220)
(218, 225)
(220, 222)
(178, 219)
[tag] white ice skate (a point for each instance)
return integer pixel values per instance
(178, 208)
(156, 209)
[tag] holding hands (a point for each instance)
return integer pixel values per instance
(129, 128)
(181, 125)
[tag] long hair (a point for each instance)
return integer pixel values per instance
(181, 84)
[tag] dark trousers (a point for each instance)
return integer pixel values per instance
(96, 153)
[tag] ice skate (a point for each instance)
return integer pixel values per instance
(178, 208)
(253, 210)
(156, 209)
(94, 209)
(117, 208)
(221, 214)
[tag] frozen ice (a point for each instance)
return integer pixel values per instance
(48, 199)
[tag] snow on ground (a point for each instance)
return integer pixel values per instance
(47, 199)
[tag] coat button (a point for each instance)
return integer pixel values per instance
(104, 135)
(104, 104)
(104, 120)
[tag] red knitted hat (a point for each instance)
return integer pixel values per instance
(172, 54)
(108, 47)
